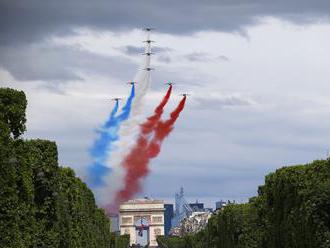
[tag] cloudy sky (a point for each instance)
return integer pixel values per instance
(258, 72)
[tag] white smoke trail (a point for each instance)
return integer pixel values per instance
(127, 133)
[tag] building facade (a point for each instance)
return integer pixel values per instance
(194, 223)
(168, 215)
(197, 206)
(143, 220)
(220, 204)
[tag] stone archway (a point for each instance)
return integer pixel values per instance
(151, 212)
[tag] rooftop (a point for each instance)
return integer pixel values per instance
(143, 201)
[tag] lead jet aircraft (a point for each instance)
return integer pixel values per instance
(148, 29)
(148, 41)
(148, 69)
(116, 99)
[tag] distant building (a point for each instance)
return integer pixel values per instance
(168, 215)
(209, 210)
(197, 206)
(175, 231)
(220, 204)
(182, 208)
(196, 222)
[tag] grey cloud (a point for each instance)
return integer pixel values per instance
(53, 87)
(197, 57)
(25, 21)
(164, 58)
(222, 101)
(204, 57)
(158, 49)
(37, 63)
(223, 58)
(132, 50)
(60, 63)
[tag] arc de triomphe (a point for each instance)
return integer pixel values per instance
(143, 220)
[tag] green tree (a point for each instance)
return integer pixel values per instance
(12, 124)
(292, 210)
(41, 203)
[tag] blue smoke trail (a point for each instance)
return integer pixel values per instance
(98, 151)
(102, 147)
(126, 110)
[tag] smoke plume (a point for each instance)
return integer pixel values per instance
(103, 146)
(128, 133)
(136, 163)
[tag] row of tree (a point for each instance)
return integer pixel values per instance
(292, 210)
(42, 204)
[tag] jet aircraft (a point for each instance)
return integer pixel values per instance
(185, 94)
(116, 99)
(149, 41)
(148, 69)
(148, 29)
(147, 53)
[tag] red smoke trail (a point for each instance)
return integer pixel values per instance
(163, 129)
(148, 126)
(137, 161)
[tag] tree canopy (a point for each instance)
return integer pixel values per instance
(41, 203)
(292, 210)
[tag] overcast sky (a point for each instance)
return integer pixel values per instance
(258, 72)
